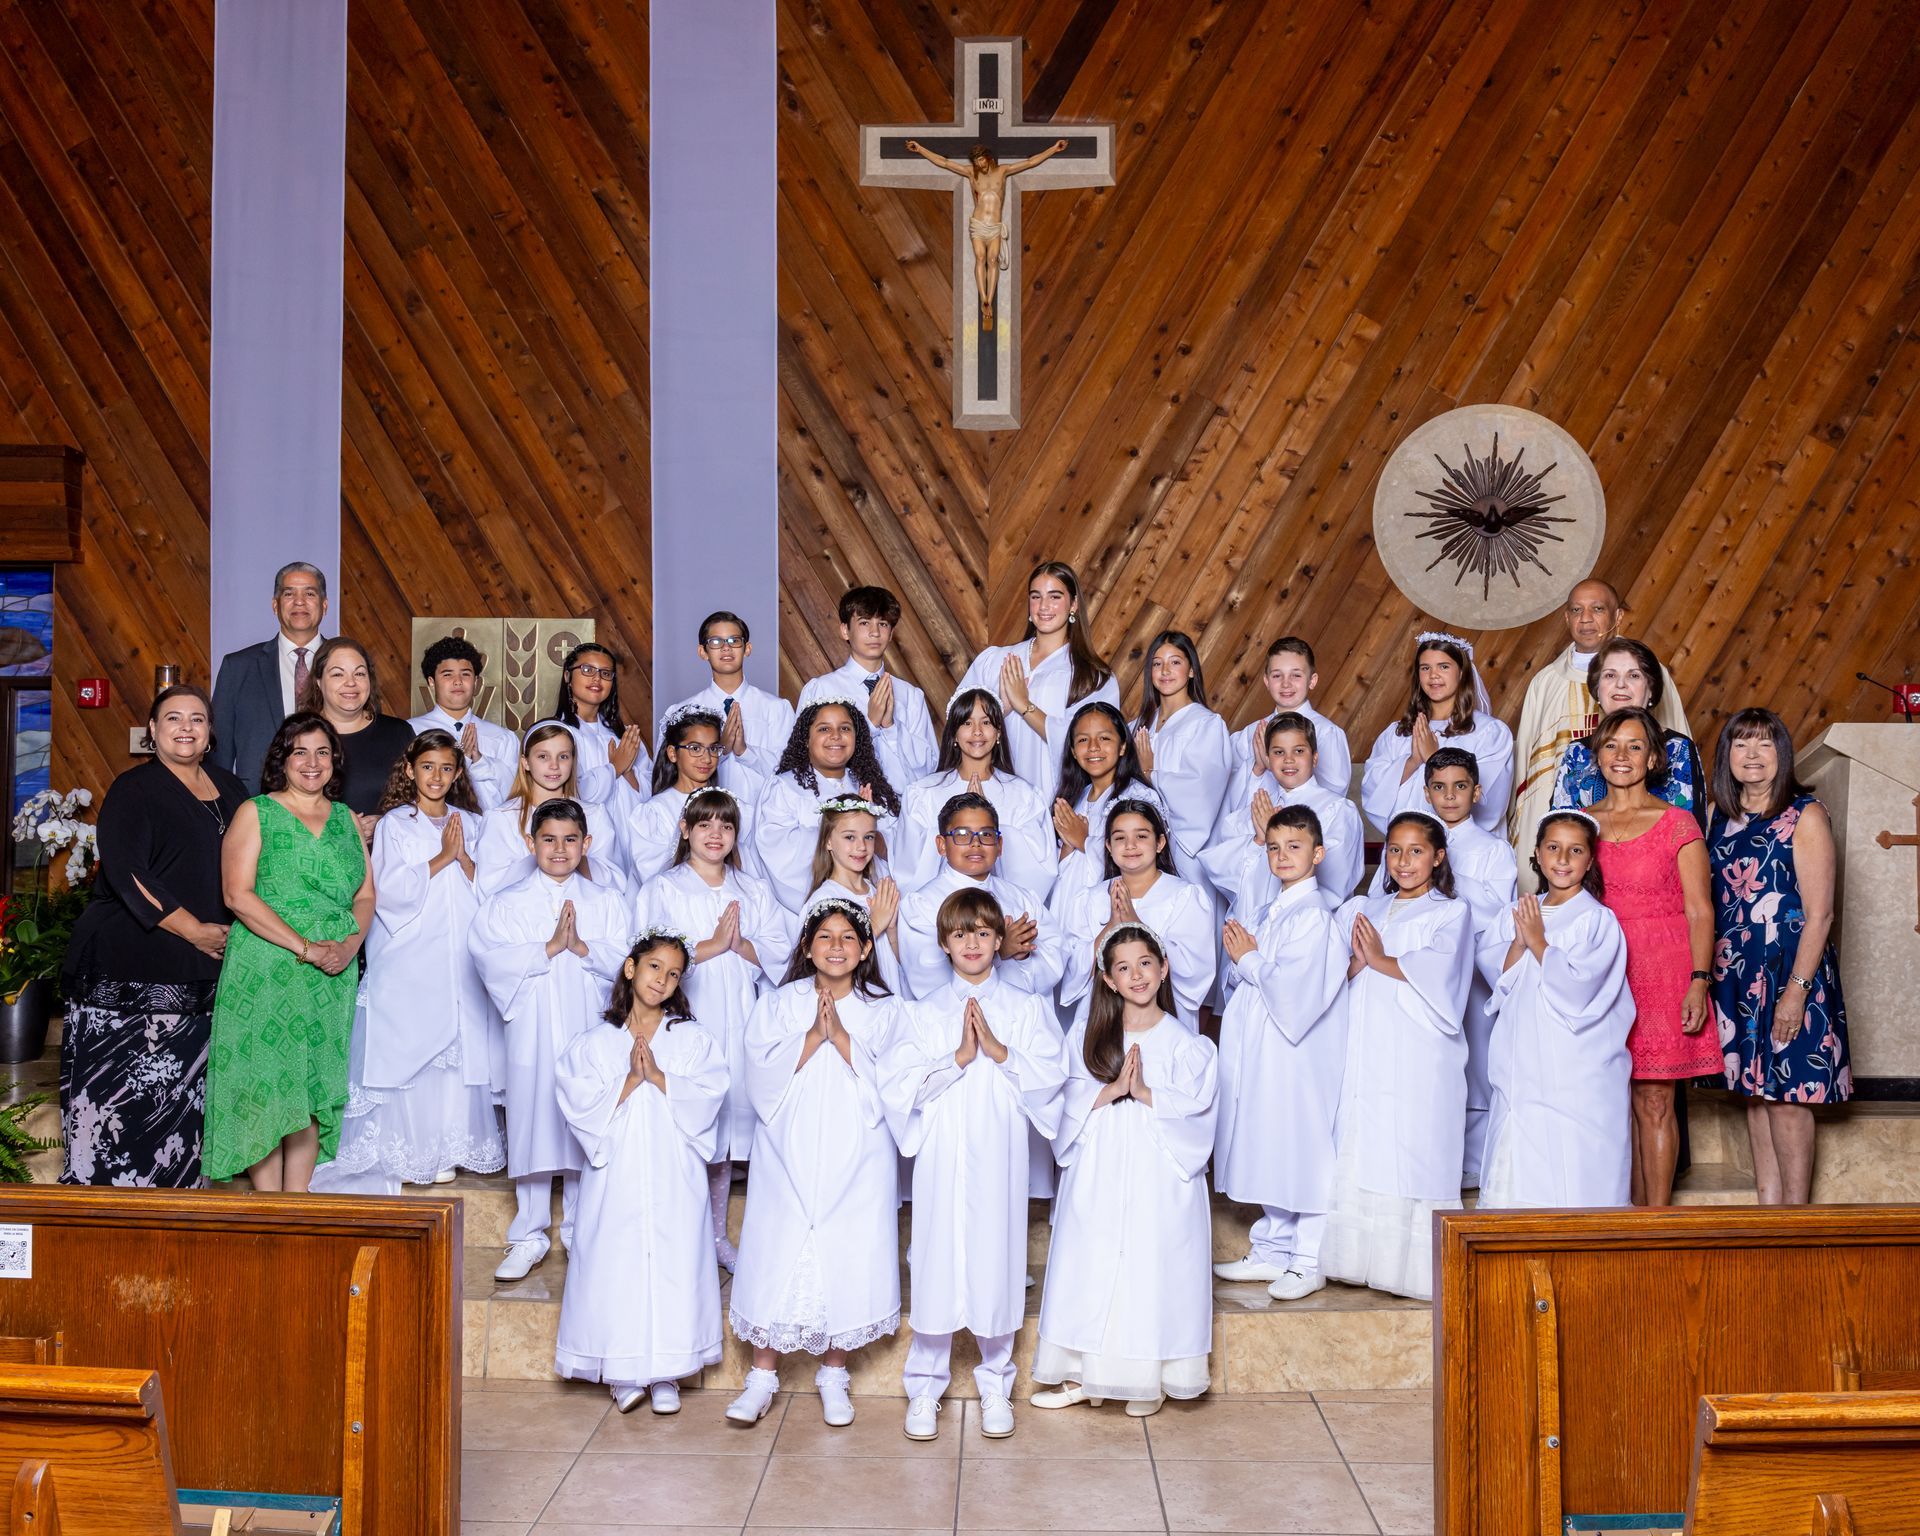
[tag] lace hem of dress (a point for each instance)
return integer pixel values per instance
(809, 1338)
(401, 1159)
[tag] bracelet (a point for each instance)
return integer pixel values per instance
(1706, 976)
(1805, 983)
(305, 945)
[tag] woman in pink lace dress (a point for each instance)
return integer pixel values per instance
(1660, 887)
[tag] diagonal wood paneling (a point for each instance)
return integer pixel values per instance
(1685, 230)
(496, 417)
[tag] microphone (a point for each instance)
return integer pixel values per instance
(1904, 695)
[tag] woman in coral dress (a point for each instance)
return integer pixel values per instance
(1660, 888)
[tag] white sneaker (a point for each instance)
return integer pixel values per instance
(923, 1418)
(835, 1405)
(1029, 1282)
(626, 1399)
(755, 1398)
(666, 1397)
(1297, 1283)
(996, 1418)
(1248, 1268)
(521, 1258)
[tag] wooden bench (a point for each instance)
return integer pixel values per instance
(84, 1452)
(1823, 1463)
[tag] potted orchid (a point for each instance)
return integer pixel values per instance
(36, 927)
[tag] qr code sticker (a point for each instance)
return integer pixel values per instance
(16, 1253)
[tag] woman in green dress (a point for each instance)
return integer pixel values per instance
(297, 880)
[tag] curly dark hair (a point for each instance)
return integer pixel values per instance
(863, 767)
(273, 770)
(563, 707)
(451, 648)
(401, 790)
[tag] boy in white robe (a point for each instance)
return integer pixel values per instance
(452, 668)
(755, 724)
(642, 1094)
(895, 710)
(1236, 860)
(820, 1248)
(547, 768)
(1283, 1052)
(1032, 956)
(1290, 678)
(972, 1068)
(1128, 1310)
(1561, 1128)
(548, 948)
(1484, 874)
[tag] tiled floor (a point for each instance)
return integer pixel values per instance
(553, 1458)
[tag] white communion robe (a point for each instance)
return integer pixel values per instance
(766, 721)
(1403, 1097)
(642, 1299)
(652, 834)
(966, 1129)
(924, 960)
(502, 857)
(1027, 854)
(1128, 1307)
(1236, 860)
(1179, 911)
(1086, 867)
(786, 831)
(1333, 758)
(593, 764)
(1192, 768)
(1561, 1132)
(547, 1002)
(1036, 760)
(1384, 794)
(491, 774)
(1283, 1053)
(1483, 873)
(820, 1247)
(907, 749)
(722, 990)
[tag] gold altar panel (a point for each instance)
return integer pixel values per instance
(521, 676)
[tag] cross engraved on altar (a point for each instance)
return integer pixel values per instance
(986, 239)
(1889, 841)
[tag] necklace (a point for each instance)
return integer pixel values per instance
(213, 810)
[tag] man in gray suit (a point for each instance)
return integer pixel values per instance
(259, 685)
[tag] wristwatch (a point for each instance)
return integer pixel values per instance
(1706, 976)
(1805, 983)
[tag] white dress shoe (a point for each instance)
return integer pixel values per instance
(836, 1407)
(626, 1399)
(923, 1418)
(521, 1258)
(1248, 1268)
(1297, 1283)
(755, 1398)
(1064, 1397)
(996, 1418)
(666, 1397)
(1142, 1409)
(445, 1176)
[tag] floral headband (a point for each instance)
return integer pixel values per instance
(851, 803)
(655, 931)
(852, 911)
(1135, 926)
(681, 712)
(707, 792)
(1441, 637)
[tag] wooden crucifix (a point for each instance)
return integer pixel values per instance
(983, 158)
(1890, 840)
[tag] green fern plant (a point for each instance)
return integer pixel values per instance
(16, 1144)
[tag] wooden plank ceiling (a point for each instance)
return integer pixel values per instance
(1687, 231)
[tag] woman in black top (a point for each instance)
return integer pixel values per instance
(343, 689)
(145, 956)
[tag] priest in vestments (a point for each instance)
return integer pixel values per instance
(1559, 711)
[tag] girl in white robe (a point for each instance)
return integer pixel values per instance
(975, 758)
(819, 1267)
(548, 948)
(689, 762)
(829, 756)
(741, 938)
(642, 1093)
(547, 771)
(1100, 769)
(847, 864)
(1182, 745)
(1043, 679)
(971, 1069)
(1283, 1052)
(1403, 1097)
(614, 762)
(1561, 1132)
(1448, 708)
(1140, 885)
(420, 1085)
(1128, 1309)
(1290, 675)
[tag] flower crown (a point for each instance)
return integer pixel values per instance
(1134, 925)
(705, 791)
(851, 803)
(1441, 637)
(659, 931)
(687, 711)
(852, 911)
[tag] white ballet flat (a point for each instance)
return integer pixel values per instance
(1064, 1397)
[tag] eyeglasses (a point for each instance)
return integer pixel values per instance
(724, 642)
(968, 837)
(605, 674)
(699, 749)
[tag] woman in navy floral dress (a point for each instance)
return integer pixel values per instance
(1776, 983)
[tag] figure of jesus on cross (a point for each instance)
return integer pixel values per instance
(985, 229)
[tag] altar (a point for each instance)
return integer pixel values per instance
(1868, 776)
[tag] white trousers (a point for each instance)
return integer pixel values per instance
(533, 1206)
(1288, 1238)
(930, 1359)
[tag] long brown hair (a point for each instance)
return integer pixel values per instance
(675, 1007)
(959, 712)
(1182, 642)
(867, 981)
(1104, 1049)
(831, 815)
(1418, 704)
(704, 805)
(401, 789)
(524, 789)
(1089, 671)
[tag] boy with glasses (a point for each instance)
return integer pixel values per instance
(754, 724)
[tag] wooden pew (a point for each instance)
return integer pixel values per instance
(1821, 1463)
(1572, 1348)
(84, 1452)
